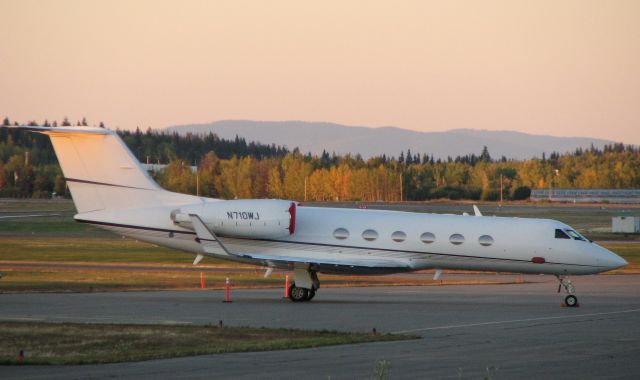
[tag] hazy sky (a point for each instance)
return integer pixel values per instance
(547, 67)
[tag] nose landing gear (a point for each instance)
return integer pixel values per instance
(570, 300)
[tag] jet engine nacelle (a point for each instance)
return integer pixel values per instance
(251, 218)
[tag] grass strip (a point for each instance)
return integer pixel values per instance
(79, 343)
(106, 249)
(17, 280)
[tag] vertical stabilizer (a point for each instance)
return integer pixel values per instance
(101, 172)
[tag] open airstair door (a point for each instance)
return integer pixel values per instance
(211, 244)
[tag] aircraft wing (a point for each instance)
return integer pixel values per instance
(212, 244)
(337, 265)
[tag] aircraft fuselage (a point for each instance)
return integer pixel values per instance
(422, 241)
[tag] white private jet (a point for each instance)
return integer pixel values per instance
(111, 190)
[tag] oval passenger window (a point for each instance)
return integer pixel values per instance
(456, 239)
(398, 236)
(370, 235)
(341, 233)
(428, 237)
(485, 240)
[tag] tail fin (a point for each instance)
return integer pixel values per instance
(101, 171)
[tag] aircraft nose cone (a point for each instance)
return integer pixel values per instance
(611, 260)
(620, 262)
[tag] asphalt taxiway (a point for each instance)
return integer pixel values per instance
(467, 331)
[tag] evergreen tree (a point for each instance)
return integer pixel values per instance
(409, 159)
(485, 156)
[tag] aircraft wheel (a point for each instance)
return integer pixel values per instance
(311, 294)
(571, 300)
(297, 294)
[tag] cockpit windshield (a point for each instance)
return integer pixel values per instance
(569, 234)
(575, 235)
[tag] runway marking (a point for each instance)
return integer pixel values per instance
(26, 216)
(515, 321)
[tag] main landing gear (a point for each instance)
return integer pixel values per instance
(305, 286)
(297, 294)
(570, 300)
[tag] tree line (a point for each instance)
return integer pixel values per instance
(236, 169)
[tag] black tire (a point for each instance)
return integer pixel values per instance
(297, 294)
(571, 300)
(311, 293)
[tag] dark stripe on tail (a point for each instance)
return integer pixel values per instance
(103, 184)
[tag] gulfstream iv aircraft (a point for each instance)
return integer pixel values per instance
(111, 190)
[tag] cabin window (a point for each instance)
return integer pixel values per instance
(398, 236)
(341, 233)
(561, 234)
(456, 239)
(485, 240)
(574, 235)
(428, 237)
(370, 235)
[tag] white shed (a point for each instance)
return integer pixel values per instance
(625, 224)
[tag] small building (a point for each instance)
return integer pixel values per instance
(625, 224)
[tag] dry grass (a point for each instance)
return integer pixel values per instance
(73, 343)
(91, 249)
(137, 279)
(22, 205)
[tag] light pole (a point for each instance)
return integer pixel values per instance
(557, 173)
(500, 188)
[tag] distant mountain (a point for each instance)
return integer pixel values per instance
(315, 137)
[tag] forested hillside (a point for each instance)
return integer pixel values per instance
(316, 137)
(237, 169)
